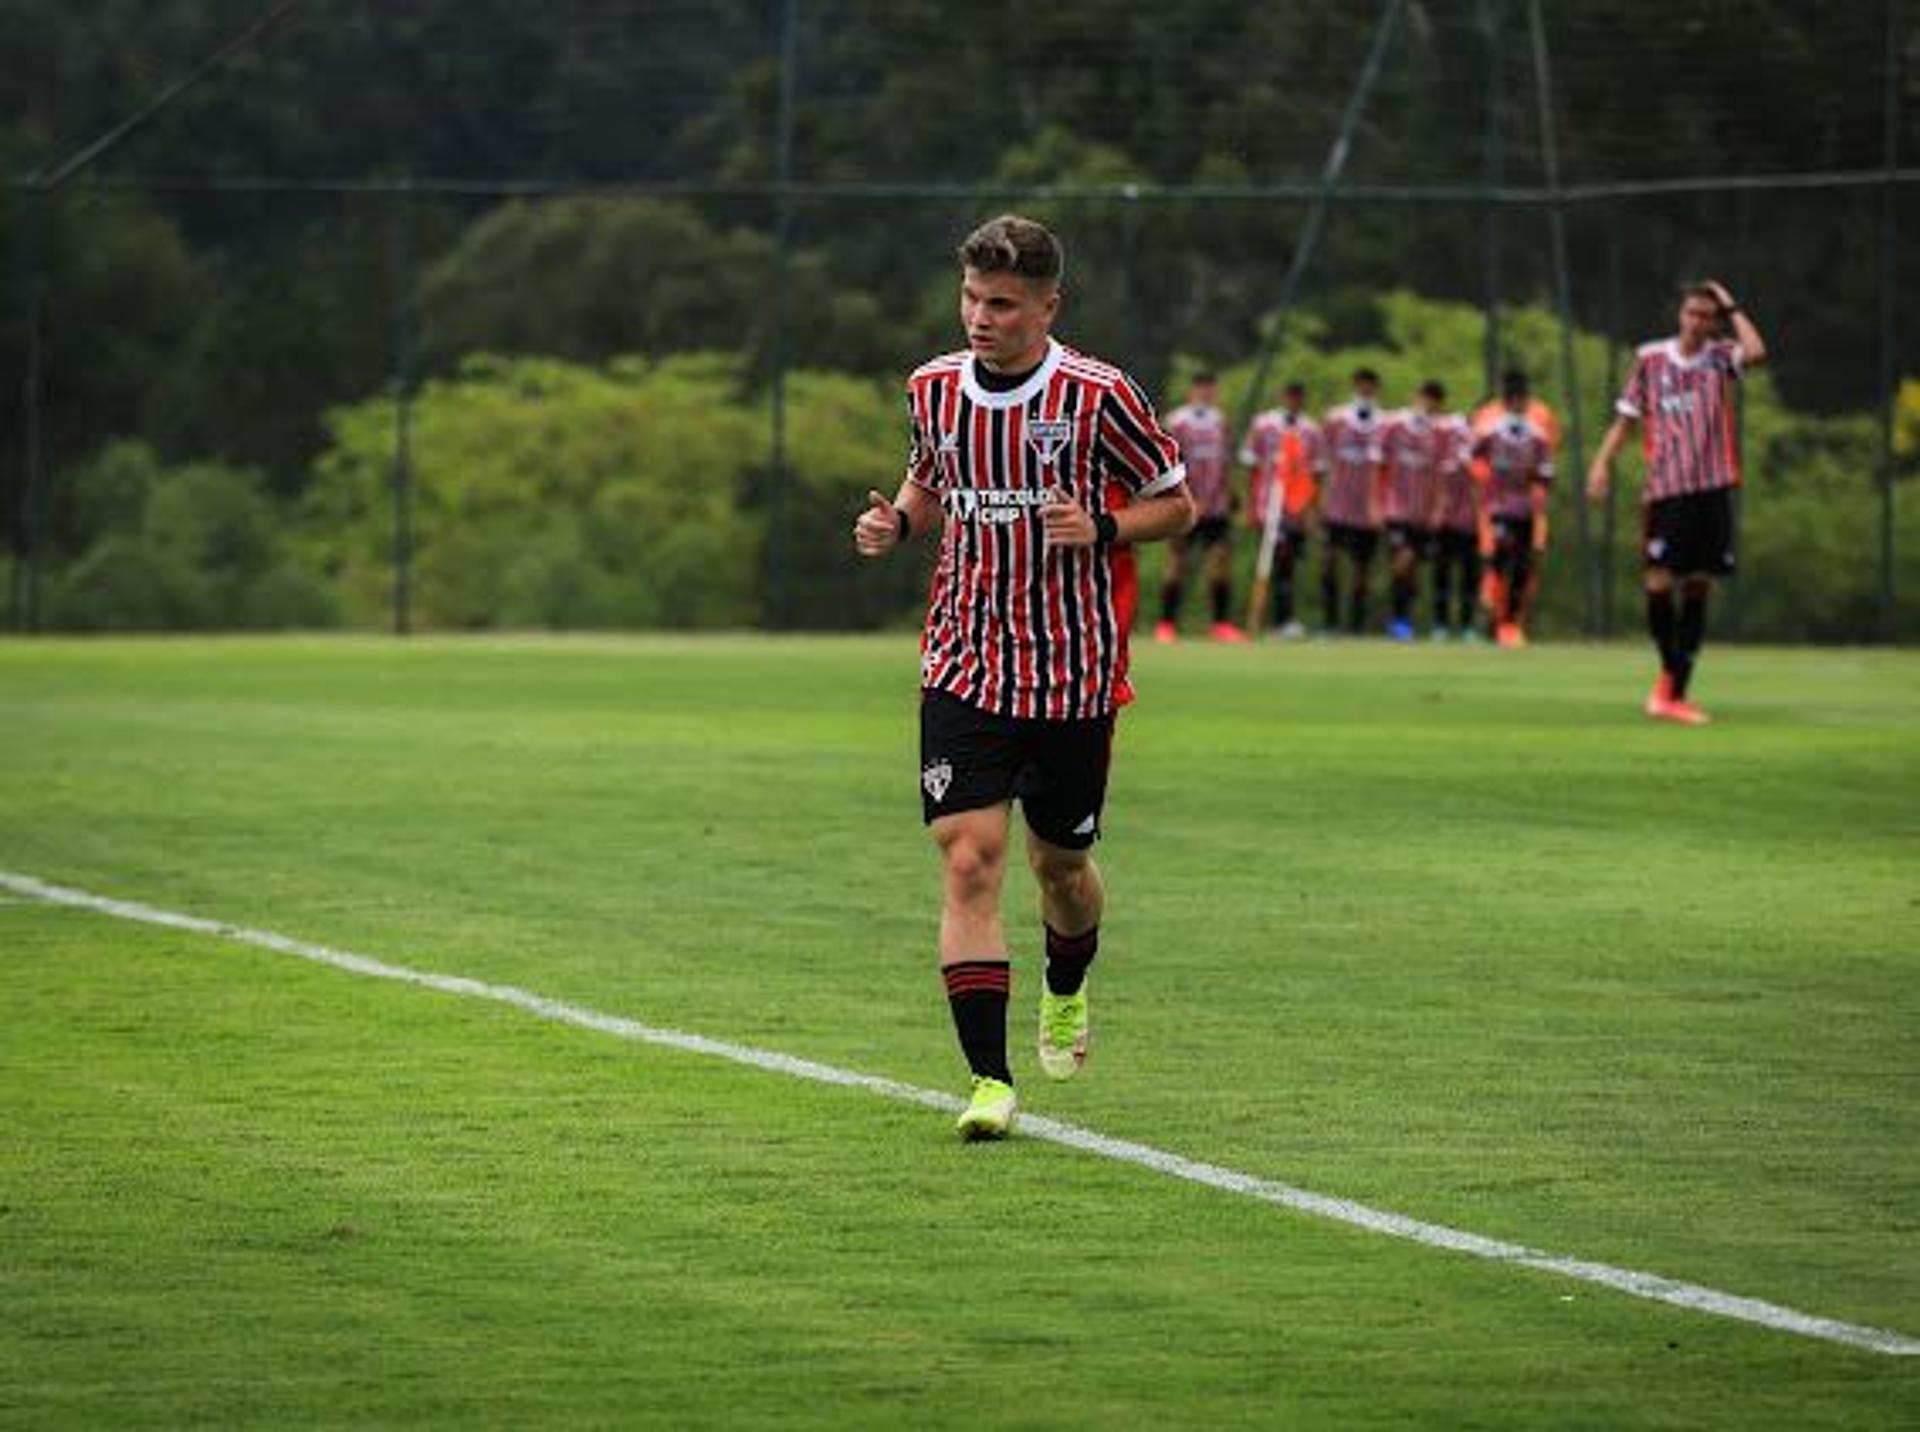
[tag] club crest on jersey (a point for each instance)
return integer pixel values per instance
(936, 778)
(1047, 436)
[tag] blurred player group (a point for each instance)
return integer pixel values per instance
(1460, 498)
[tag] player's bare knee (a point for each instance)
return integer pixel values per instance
(1058, 869)
(974, 860)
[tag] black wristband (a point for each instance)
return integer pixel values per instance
(902, 528)
(1106, 531)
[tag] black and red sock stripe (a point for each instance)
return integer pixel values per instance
(1068, 957)
(977, 993)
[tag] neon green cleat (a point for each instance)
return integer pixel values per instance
(989, 1115)
(1063, 1033)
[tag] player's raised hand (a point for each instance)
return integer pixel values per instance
(876, 531)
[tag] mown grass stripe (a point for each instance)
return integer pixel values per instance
(1651, 1286)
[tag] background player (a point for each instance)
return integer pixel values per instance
(1015, 442)
(1518, 455)
(1415, 446)
(1458, 516)
(1350, 504)
(1681, 390)
(1284, 454)
(1200, 428)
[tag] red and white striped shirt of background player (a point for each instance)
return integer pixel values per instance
(1516, 450)
(1454, 507)
(1353, 465)
(1201, 431)
(1012, 628)
(1418, 450)
(1685, 407)
(1288, 448)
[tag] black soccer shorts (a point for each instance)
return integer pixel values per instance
(1513, 533)
(1359, 543)
(971, 759)
(1691, 534)
(1408, 534)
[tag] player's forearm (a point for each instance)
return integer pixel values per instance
(1753, 348)
(1610, 444)
(1153, 519)
(921, 506)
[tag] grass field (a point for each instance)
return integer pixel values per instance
(1453, 933)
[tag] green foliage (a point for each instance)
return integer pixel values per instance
(190, 548)
(845, 436)
(594, 276)
(117, 286)
(286, 332)
(548, 494)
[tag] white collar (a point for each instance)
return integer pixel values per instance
(1013, 397)
(1675, 354)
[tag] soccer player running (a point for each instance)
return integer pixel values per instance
(1200, 428)
(1014, 445)
(1350, 505)
(1518, 454)
(1416, 447)
(1285, 455)
(1680, 390)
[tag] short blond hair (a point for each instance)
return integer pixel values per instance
(1017, 245)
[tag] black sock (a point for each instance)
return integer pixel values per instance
(1442, 590)
(977, 993)
(1068, 957)
(1170, 595)
(1660, 623)
(1282, 591)
(1689, 630)
(1222, 595)
(1357, 615)
(1330, 596)
(1469, 589)
(1517, 588)
(1403, 597)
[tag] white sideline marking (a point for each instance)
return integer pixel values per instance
(1625, 1280)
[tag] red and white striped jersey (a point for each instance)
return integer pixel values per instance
(1201, 431)
(1685, 406)
(1012, 628)
(1518, 453)
(1352, 432)
(1416, 449)
(1454, 504)
(1287, 447)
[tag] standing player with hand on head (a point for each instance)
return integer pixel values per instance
(1200, 428)
(1016, 442)
(1680, 389)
